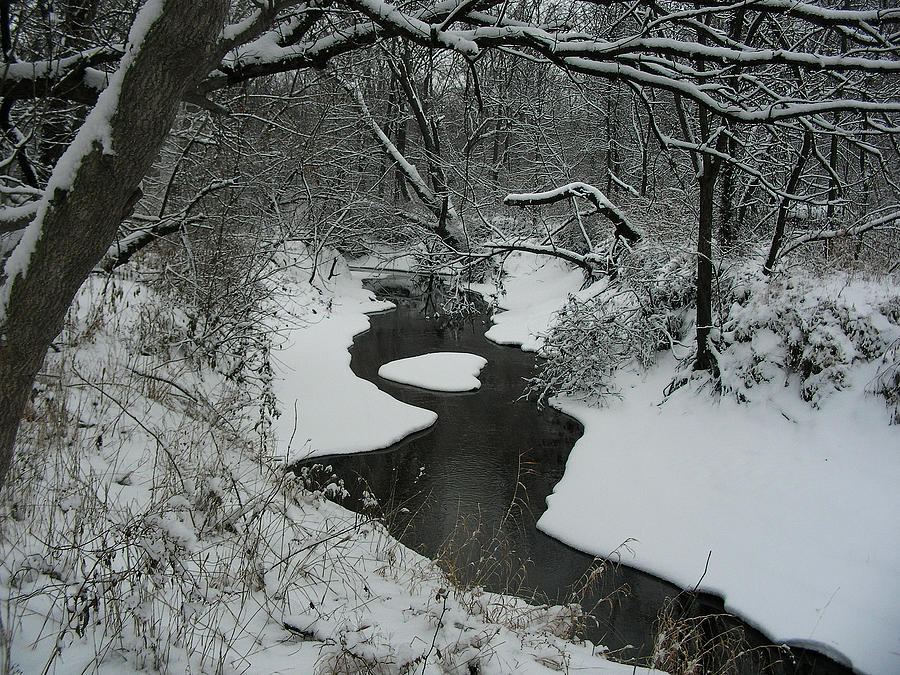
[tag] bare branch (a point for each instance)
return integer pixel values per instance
(624, 229)
(890, 220)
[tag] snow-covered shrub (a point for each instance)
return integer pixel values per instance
(812, 333)
(630, 318)
(779, 328)
(320, 481)
(887, 381)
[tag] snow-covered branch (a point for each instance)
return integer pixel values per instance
(74, 78)
(410, 172)
(121, 252)
(289, 35)
(892, 219)
(589, 263)
(624, 229)
(13, 218)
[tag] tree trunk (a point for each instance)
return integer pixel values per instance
(79, 218)
(834, 187)
(727, 224)
(705, 360)
(781, 221)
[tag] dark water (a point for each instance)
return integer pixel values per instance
(469, 491)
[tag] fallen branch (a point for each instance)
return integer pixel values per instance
(624, 229)
(589, 263)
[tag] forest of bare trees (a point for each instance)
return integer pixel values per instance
(462, 130)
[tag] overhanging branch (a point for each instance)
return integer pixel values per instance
(623, 227)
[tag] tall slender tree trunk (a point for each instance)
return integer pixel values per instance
(707, 179)
(833, 185)
(707, 175)
(781, 220)
(727, 219)
(79, 216)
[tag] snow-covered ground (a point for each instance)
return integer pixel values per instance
(149, 526)
(438, 371)
(152, 528)
(326, 409)
(535, 287)
(795, 508)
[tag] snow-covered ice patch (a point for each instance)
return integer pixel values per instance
(440, 371)
(327, 410)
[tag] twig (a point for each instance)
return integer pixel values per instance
(441, 594)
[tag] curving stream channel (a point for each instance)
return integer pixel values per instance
(470, 489)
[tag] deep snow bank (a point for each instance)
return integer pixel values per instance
(796, 507)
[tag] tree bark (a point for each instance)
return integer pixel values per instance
(705, 359)
(791, 186)
(80, 219)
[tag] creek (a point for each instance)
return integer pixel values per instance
(469, 491)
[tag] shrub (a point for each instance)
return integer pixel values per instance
(783, 330)
(631, 318)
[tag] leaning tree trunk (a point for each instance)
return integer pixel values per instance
(80, 214)
(790, 188)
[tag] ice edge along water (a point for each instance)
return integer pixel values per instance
(335, 409)
(327, 410)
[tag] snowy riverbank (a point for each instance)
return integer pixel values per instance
(152, 526)
(795, 507)
(326, 409)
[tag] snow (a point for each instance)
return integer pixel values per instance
(144, 538)
(233, 31)
(795, 507)
(30, 70)
(440, 371)
(800, 516)
(804, 212)
(535, 287)
(326, 409)
(571, 189)
(384, 13)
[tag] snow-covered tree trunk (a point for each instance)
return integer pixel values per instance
(169, 49)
